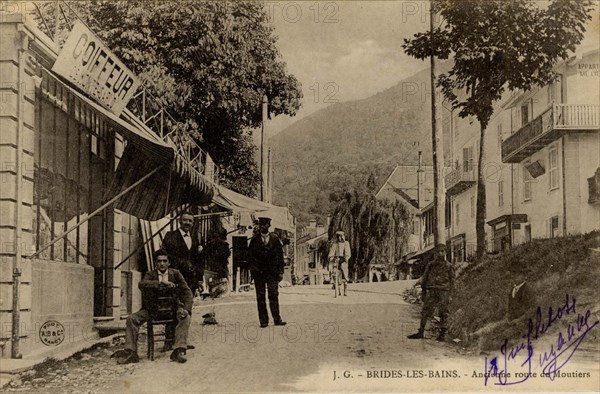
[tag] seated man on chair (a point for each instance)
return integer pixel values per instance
(155, 282)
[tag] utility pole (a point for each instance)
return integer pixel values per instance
(269, 177)
(439, 200)
(263, 180)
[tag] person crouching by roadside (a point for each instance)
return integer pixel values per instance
(436, 283)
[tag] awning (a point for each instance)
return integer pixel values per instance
(281, 217)
(311, 242)
(514, 218)
(175, 184)
(171, 187)
(238, 202)
(419, 253)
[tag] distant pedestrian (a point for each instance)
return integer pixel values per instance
(436, 283)
(339, 255)
(265, 258)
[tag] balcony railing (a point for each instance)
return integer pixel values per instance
(460, 179)
(580, 116)
(547, 127)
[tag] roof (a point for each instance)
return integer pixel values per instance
(401, 185)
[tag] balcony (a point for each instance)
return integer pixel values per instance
(549, 126)
(459, 180)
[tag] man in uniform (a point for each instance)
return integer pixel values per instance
(265, 258)
(437, 282)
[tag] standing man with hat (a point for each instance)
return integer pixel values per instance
(184, 249)
(265, 258)
(437, 282)
(339, 255)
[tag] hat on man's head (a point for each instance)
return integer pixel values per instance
(264, 220)
(339, 232)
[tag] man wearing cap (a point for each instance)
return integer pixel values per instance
(437, 282)
(265, 258)
(184, 249)
(339, 255)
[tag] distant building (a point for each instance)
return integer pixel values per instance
(309, 262)
(412, 186)
(554, 152)
(542, 163)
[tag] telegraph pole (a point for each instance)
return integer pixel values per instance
(439, 200)
(263, 180)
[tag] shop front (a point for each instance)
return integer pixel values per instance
(82, 170)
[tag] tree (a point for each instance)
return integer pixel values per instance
(373, 227)
(498, 45)
(209, 64)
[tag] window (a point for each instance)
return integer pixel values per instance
(527, 232)
(526, 184)
(499, 135)
(468, 159)
(457, 214)
(553, 227)
(501, 193)
(524, 114)
(472, 206)
(448, 212)
(70, 179)
(551, 93)
(553, 167)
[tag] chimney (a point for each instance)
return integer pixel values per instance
(328, 222)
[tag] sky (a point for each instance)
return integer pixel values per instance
(349, 50)
(345, 50)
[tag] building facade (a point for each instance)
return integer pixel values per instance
(542, 153)
(78, 177)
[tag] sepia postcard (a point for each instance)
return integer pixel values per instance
(299, 196)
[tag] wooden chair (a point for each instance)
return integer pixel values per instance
(163, 314)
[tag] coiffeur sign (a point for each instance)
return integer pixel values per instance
(85, 61)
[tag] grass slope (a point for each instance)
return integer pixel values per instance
(552, 269)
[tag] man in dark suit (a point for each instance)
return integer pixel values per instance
(184, 251)
(161, 280)
(265, 258)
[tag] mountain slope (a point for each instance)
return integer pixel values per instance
(338, 147)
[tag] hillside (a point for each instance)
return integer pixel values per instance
(480, 313)
(339, 146)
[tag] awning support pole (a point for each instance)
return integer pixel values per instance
(148, 240)
(97, 211)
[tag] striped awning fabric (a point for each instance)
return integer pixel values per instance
(176, 183)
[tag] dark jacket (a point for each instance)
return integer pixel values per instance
(266, 260)
(180, 257)
(151, 288)
(439, 274)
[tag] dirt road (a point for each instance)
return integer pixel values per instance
(354, 343)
